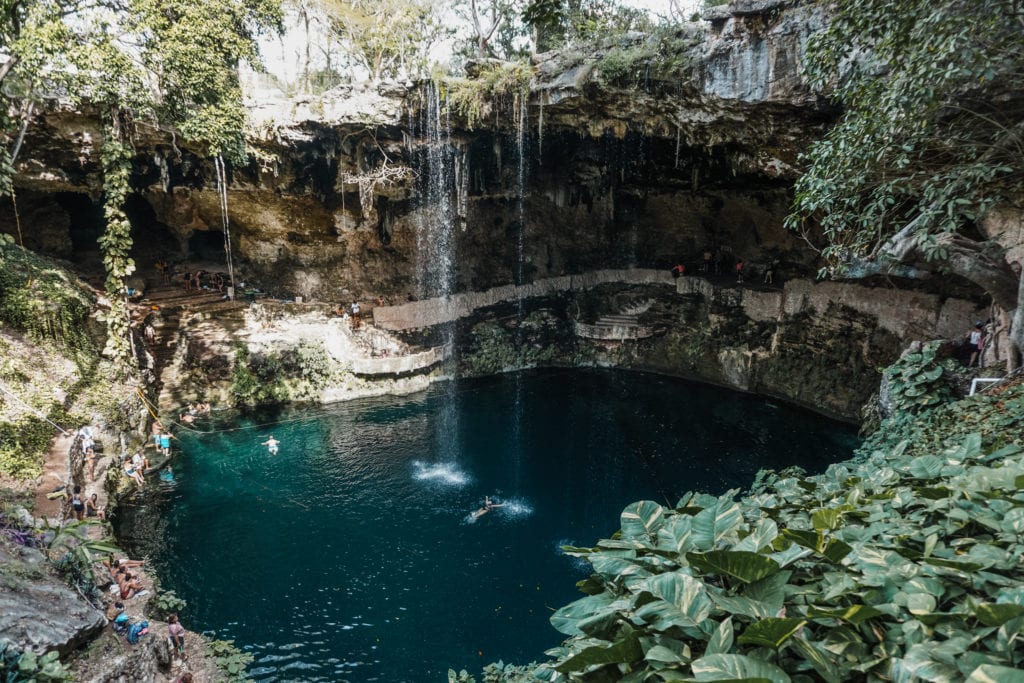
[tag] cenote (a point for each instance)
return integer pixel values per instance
(350, 556)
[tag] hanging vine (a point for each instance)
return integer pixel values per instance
(116, 243)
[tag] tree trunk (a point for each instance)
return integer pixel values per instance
(968, 259)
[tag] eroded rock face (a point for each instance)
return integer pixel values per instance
(604, 172)
(37, 611)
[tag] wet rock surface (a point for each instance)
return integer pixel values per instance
(38, 611)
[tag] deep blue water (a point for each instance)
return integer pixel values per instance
(349, 555)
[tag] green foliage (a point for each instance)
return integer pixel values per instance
(17, 666)
(926, 135)
(918, 381)
(662, 59)
(44, 302)
(498, 86)
(174, 61)
(315, 364)
(889, 567)
(165, 603)
(257, 379)
(24, 443)
(77, 553)
(116, 243)
(997, 417)
(388, 38)
(230, 659)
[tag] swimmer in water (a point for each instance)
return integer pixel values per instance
(272, 444)
(488, 506)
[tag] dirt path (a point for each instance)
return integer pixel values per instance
(55, 474)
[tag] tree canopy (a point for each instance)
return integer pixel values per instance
(160, 62)
(932, 136)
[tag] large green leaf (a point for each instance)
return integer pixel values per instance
(642, 520)
(722, 667)
(714, 523)
(566, 619)
(760, 537)
(831, 549)
(742, 565)
(818, 658)
(993, 614)
(611, 567)
(675, 534)
(681, 601)
(990, 673)
(772, 632)
(925, 467)
(826, 519)
(854, 614)
(721, 639)
(625, 650)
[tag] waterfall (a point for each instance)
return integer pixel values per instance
(222, 190)
(440, 201)
(520, 280)
(442, 189)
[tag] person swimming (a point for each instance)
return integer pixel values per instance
(272, 445)
(488, 506)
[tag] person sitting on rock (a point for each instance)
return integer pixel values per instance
(130, 587)
(93, 509)
(135, 475)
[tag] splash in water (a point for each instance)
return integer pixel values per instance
(445, 473)
(515, 508)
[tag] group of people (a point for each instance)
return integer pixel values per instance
(194, 410)
(128, 585)
(711, 262)
(82, 507)
(352, 313)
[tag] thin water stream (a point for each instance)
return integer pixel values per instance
(352, 555)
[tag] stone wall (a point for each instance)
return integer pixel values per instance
(820, 345)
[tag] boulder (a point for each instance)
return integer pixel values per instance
(38, 611)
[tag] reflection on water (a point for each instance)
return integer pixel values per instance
(348, 556)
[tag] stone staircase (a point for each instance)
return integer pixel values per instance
(172, 303)
(616, 327)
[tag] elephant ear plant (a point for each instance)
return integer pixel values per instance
(890, 568)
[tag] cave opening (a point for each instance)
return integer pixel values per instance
(207, 245)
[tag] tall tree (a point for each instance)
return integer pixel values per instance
(486, 17)
(158, 62)
(932, 137)
(387, 38)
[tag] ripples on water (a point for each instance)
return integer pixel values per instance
(349, 556)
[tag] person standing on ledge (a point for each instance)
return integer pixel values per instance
(176, 634)
(740, 265)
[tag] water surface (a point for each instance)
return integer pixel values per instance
(351, 555)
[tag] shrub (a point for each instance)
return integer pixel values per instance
(17, 666)
(257, 379)
(230, 659)
(901, 564)
(500, 85)
(917, 381)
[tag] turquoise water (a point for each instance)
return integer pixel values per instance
(352, 556)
